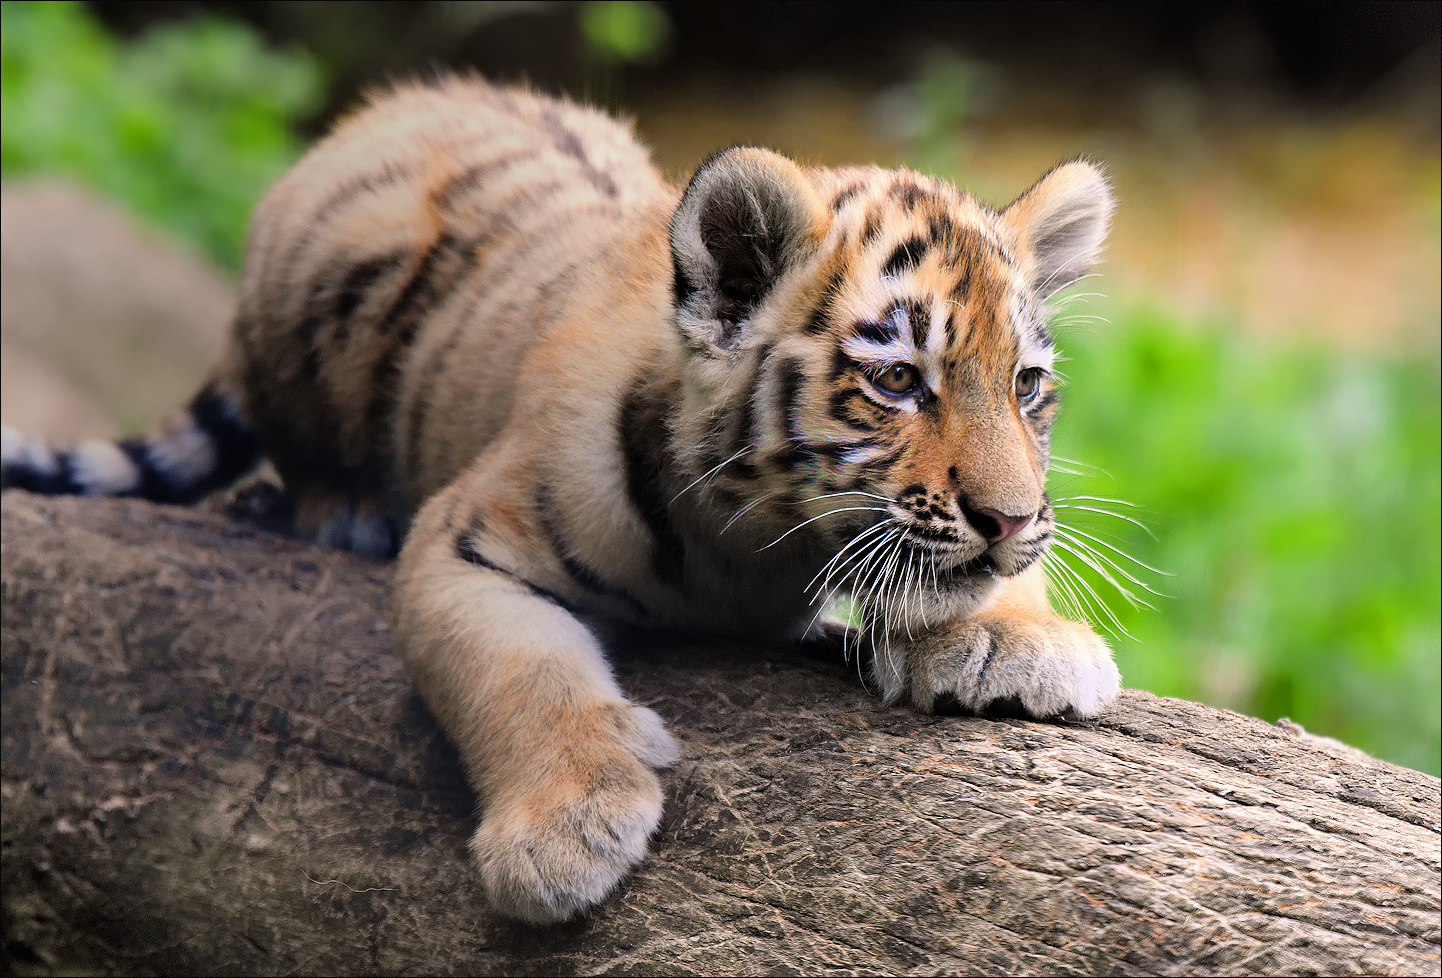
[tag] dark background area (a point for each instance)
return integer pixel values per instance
(1307, 56)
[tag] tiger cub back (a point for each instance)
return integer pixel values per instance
(398, 275)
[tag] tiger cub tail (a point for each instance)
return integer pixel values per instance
(208, 446)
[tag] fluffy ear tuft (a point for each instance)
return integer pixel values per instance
(747, 216)
(1063, 222)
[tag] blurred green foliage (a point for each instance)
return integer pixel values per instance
(1294, 495)
(625, 31)
(187, 125)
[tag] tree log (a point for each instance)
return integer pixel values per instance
(214, 763)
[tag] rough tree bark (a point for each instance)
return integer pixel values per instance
(213, 763)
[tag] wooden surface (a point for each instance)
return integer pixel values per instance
(213, 763)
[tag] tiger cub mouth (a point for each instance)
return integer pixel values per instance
(957, 558)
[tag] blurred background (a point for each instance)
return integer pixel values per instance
(1251, 427)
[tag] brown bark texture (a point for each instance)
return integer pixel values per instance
(213, 763)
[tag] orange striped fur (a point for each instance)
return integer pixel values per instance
(478, 318)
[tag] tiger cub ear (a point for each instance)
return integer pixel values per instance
(747, 216)
(1062, 222)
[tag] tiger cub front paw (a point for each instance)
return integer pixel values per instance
(560, 834)
(1049, 665)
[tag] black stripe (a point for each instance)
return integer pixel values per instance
(237, 448)
(846, 194)
(882, 332)
(351, 293)
(789, 379)
(357, 282)
(906, 256)
(962, 289)
(426, 289)
(387, 176)
(58, 482)
(441, 354)
(576, 569)
(908, 193)
(354, 187)
(466, 550)
(940, 535)
(871, 229)
(831, 450)
(644, 442)
(746, 428)
(308, 332)
(819, 319)
(840, 405)
(941, 228)
(153, 485)
(570, 144)
(992, 644)
(419, 289)
(472, 176)
(920, 318)
(235, 445)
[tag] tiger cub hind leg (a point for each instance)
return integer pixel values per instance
(1017, 651)
(561, 762)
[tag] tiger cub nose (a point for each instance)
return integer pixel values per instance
(993, 525)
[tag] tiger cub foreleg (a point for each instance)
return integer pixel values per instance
(561, 762)
(1017, 650)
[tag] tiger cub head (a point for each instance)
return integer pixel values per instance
(868, 350)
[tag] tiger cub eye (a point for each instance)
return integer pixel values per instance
(899, 378)
(1028, 382)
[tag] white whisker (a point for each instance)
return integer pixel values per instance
(1077, 464)
(1071, 530)
(1066, 546)
(1106, 512)
(1100, 614)
(831, 567)
(829, 512)
(1066, 597)
(848, 492)
(711, 471)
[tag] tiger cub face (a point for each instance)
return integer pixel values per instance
(869, 358)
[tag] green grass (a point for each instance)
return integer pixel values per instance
(1294, 495)
(187, 125)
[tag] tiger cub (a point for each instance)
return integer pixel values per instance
(477, 319)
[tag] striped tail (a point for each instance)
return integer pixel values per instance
(209, 448)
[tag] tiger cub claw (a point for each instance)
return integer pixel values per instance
(1049, 667)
